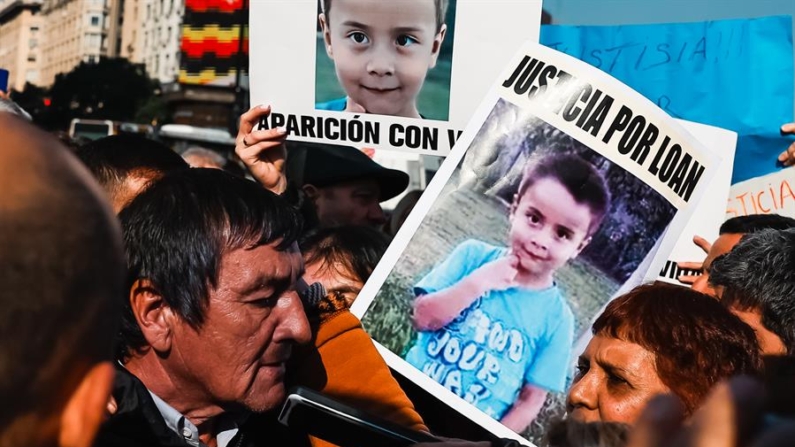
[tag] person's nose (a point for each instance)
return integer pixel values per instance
(542, 238)
(381, 63)
(582, 401)
(293, 325)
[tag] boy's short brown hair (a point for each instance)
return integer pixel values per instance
(578, 176)
(441, 11)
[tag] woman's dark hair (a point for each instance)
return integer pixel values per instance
(696, 341)
(348, 250)
(177, 231)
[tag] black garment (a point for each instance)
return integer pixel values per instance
(138, 423)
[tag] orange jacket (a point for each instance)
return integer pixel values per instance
(344, 364)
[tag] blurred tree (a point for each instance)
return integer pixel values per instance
(112, 89)
(154, 111)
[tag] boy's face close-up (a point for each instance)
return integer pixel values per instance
(382, 51)
(548, 227)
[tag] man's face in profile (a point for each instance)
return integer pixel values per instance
(252, 320)
(349, 203)
(722, 245)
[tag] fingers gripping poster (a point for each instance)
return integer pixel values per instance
(560, 186)
(397, 75)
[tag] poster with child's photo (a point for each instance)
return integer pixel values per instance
(555, 197)
(397, 75)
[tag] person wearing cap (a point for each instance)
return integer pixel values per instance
(332, 185)
(342, 184)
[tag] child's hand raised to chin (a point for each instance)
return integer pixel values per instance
(499, 274)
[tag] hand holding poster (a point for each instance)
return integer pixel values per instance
(403, 75)
(560, 186)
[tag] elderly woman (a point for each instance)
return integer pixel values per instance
(657, 339)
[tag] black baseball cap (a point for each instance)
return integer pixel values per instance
(326, 164)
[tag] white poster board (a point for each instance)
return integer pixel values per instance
(290, 68)
(572, 135)
(712, 206)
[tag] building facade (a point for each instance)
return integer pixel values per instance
(155, 39)
(78, 31)
(20, 41)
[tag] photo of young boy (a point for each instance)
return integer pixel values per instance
(382, 52)
(530, 236)
(493, 325)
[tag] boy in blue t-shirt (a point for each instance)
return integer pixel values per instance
(494, 328)
(382, 51)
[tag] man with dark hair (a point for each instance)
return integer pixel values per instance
(756, 280)
(62, 267)
(212, 311)
(730, 234)
(125, 164)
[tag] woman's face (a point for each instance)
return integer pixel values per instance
(615, 380)
(338, 281)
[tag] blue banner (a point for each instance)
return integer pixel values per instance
(735, 74)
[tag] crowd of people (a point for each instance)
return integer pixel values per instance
(158, 299)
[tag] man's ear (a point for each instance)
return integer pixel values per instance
(437, 45)
(85, 409)
(155, 318)
(324, 26)
(311, 191)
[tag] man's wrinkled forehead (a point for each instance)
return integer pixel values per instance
(283, 272)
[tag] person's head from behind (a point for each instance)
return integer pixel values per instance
(199, 157)
(126, 164)
(382, 50)
(571, 433)
(9, 106)
(730, 234)
(343, 186)
(63, 267)
(756, 281)
(212, 308)
(560, 204)
(342, 258)
(658, 338)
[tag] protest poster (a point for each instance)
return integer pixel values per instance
(390, 75)
(708, 72)
(734, 74)
(504, 200)
(711, 207)
(772, 193)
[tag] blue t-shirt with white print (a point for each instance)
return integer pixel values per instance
(504, 340)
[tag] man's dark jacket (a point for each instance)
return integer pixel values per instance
(137, 423)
